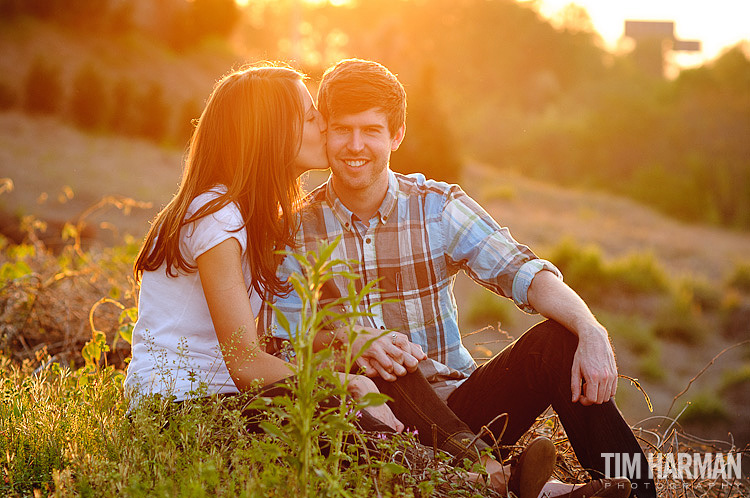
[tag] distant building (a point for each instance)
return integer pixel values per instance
(653, 40)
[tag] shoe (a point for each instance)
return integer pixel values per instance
(601, 488)
(534, 468)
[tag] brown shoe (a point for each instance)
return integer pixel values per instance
(601, 488)
(535, 466)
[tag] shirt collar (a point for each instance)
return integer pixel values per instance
(345, 216)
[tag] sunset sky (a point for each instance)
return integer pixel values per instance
(716, 23)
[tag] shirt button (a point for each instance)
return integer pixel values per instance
(382, 327)
(368, 240)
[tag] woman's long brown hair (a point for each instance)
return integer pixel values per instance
(246, 139)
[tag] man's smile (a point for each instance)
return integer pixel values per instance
(355, 163)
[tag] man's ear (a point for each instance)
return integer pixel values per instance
(398, 138)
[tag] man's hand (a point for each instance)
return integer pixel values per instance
(359, 386)
(594, 364)
(389, 356)
(593, 361)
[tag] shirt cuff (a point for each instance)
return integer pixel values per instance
(523, 279)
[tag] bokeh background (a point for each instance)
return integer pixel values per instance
(625, 160)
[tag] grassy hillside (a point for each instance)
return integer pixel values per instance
(59, 173)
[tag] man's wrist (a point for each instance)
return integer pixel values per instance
(590, 329)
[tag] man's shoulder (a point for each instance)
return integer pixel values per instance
(317, 195)
(416, 184)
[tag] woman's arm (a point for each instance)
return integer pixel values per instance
(220, 271)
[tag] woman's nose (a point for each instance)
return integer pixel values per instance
(322, 124)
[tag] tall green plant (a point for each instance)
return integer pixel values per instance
(310, 424)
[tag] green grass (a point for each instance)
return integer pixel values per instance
(66, 431)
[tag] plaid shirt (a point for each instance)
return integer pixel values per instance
(424, 233)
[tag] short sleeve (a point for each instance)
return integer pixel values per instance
(213, 229)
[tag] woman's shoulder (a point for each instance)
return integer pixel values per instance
(229, 216)
(202, 199)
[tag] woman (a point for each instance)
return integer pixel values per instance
(210, 255)
(213, 246)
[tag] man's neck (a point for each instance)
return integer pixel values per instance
(363, 203)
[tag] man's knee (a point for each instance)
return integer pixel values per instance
(550, 338)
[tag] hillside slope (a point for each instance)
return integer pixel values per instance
(43, 156)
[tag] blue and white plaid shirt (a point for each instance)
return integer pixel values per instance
(424, 233)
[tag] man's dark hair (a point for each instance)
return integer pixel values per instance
(355, 85)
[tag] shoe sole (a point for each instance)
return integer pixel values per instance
(536, 464)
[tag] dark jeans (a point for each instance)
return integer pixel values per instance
(526, 378)
(417, 406)
(523, 380)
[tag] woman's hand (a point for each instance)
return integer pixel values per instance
(389, 355)
(360, 385)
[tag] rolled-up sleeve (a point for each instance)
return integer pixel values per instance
(523, 278)
(487, 251)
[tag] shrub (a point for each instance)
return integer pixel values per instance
(7, 97)
(88, 104)
(153, 114)
(633, 331)
(705, 408)
(43, 89)
(706, 296)
(487, 308)
(680, 320)
(189, 113)
(429, 147)
(586, 271)
(740, 277)
(735, 378)
(122, 119)
(637, 273)
(583, 268)
(651, 366)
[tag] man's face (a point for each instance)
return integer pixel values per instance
(359, 148)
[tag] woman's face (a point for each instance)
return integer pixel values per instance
(312, 153)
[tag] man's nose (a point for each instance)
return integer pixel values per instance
(355, 141)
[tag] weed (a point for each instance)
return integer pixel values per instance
(651, 366)
(43, 88)
(499, 193)
(735, 378)
(740, 277)
(88, 102)
(487, 308)
(586, 271)
(705, 407)
(680, 319)
(705, 295)
(633, 331)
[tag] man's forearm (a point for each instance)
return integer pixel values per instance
(594, 361)
(554, 299)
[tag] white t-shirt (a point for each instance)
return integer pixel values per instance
(175, 349)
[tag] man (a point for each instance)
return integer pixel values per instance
(413, 236)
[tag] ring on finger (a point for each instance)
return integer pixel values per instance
(393, 338)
